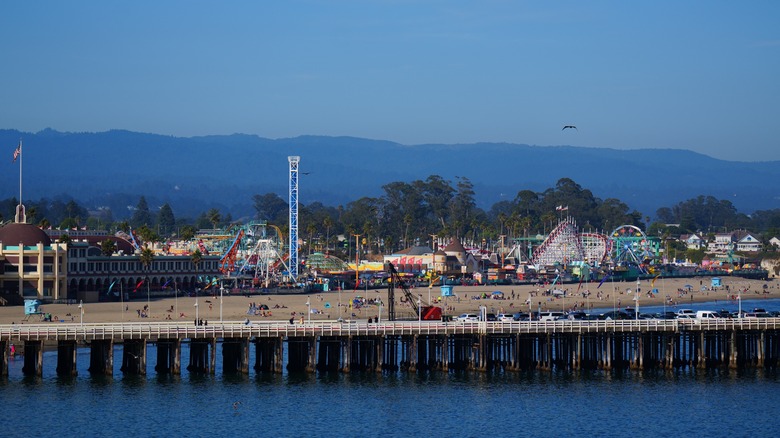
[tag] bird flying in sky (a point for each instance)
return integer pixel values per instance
(569, 126)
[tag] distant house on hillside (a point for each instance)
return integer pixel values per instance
(747, 242)
(693, 241)
(723, 243)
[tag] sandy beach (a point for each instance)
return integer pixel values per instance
(516, 298)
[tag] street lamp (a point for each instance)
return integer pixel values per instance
(419, 308)
(221, 290)
(308, 311)
(81, 312)
(196, 310)
(636, 298)
(148, 303)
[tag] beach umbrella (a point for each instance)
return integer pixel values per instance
(688, 286)
(327, 305)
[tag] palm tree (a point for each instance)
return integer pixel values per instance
(311, 229)
(214, 217)
(196, 257)
(108, 247)
(146, 258)
(327, 222)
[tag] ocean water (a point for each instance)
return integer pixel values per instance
(467, 404)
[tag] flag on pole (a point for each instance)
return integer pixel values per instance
(17, 152)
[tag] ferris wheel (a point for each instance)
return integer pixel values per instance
(629, 244)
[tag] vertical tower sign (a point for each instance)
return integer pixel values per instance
(293, 216)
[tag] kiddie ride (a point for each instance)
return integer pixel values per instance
(425, 313)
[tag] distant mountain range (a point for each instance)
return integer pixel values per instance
(114, 168)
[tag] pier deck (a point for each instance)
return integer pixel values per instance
(408, 345)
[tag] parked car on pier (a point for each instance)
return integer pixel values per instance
(467, 317)
(521, 316)
(505, 317)
(707, 314)
(549, 316)
(614, 315)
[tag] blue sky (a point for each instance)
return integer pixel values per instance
(698, 75)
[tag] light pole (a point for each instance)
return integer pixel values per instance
(308, 311)
(739, 302)
(636, 298)
(357, 258)
(148, 302)
(176, 296)
(419, 308)
(122, 300)
(196, 310)
(81, 312)
(221, 290)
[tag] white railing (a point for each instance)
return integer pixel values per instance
(238, 329)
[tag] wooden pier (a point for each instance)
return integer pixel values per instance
(409, 346)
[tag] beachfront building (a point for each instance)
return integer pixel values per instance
(415, 260)
(31, 265)
(92, 274)
(451, 260)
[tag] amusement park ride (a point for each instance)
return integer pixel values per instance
(625, 248)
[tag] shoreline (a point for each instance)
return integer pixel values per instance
(285, 306)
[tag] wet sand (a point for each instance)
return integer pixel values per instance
(283, 307)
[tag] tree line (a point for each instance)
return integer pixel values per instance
(413, 213)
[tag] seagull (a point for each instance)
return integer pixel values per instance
(569, 126)
(236, 404)
(305, 173)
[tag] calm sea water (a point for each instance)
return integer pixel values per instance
(704, 403)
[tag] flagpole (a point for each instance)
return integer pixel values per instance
(21, 157)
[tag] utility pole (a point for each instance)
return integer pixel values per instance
(357, 257)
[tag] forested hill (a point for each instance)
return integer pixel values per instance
(224, 171)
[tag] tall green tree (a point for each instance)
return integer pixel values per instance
(462, 206)
(142, 215)
(165, 220)
(271, 208)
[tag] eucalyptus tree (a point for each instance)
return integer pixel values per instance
(462, 206)
(437, 194)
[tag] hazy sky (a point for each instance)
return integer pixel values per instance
(698, 75)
